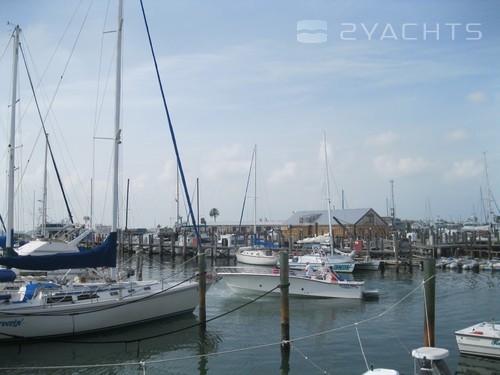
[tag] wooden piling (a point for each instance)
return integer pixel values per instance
(150, 244)
(202, 312)
(285, 312)
(429, 265)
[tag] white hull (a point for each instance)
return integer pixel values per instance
(244, 280)
(370, 265)
(339, 263)
(482, 339)
(258, 257)
(60, 312)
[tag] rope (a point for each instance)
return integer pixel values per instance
(361, 346)
(307, 359)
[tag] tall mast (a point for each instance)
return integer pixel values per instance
(12, 145)
(330, 231)
(44, 194)
(117, 132)
(490, 209)
(255, 196)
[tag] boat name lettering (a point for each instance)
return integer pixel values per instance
(495, 342)
(11, 323)
(342, 266)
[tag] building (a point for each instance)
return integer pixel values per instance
(359, 223)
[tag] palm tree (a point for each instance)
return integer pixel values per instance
(214, 212)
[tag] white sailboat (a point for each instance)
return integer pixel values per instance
(45, 310)
(259, 253)
(339, 263)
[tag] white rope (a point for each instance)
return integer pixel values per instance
(361, 346)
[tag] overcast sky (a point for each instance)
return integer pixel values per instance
(404, 93)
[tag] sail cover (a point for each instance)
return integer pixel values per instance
(103, 255)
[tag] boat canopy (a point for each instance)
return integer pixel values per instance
(103, 255)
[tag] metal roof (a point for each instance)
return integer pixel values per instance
(346, 217)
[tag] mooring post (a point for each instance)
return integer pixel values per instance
(430, 300)
(285, 312)
(203, 286)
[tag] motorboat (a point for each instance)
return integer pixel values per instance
(481, 339)
(261, 280)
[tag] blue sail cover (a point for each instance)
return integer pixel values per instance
(270, 245)
(103, 255)
(3, 241)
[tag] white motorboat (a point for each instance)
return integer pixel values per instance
(261, 280)
(482, 339)
(366, 263)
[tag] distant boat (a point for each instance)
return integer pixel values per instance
(482, 339)
(262, 280)
(260, 253)
(340, 263)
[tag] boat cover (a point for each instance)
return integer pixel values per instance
(7, 276)
(103, 255)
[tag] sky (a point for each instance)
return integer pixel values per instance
(406, 97)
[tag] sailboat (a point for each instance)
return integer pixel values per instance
(46, 309)
(324, 251)
(260, 252)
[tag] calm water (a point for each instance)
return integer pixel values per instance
(329, 336)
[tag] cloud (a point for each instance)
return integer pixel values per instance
(476, 97)
(225, 161)
(463, 170)
(456, 135)
(389, 167)
(284, 173)
(383, 139)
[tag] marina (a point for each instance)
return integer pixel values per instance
(335, 290)
(338, 336)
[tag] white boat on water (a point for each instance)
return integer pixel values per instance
(482, 339)
(256, 256)
(46, 310)
(261, 280)
(340, 263)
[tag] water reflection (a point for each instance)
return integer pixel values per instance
(124, 349)
(477, 366)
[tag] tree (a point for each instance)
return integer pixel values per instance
(214, 212)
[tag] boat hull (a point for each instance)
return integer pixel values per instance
(340, 263)
(256, 257)
(260, 283)
(482, 339)
(100, 313)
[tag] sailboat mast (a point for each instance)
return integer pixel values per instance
(44, 197)
(117, 133)
(490, 209)
(255, 197)
(12, 145)
(330, 231)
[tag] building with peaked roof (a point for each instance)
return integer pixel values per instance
(348, 223)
